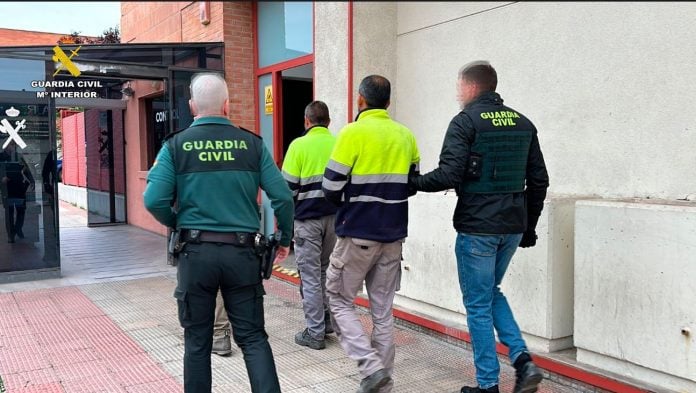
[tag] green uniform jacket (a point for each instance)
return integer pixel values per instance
(214, 170)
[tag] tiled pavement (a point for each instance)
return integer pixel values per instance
(123, 336)
(101, 329)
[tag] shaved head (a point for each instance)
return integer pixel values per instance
(209, 95)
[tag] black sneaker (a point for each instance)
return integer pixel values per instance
(528, 378)
(374, 382)
(476, 389)
(303, 338)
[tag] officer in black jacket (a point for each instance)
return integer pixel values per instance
(491, 157)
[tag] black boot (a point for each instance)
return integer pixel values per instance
(528, 374)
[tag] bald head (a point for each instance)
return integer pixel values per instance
(209, 95)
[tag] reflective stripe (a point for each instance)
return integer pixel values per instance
(365, 179)
(290, 178)
(333, 185)
(338, 167)
(368, 198)
(310, 194)
(309, 180)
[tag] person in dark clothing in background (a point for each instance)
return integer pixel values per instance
(15, 179)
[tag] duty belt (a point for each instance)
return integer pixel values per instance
(194, 236)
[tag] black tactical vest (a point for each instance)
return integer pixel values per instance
(502, 139)
(215, 147)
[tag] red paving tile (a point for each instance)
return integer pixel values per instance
(57, 340)
(26, 379)
(54, 387)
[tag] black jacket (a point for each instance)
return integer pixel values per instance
(486, 213)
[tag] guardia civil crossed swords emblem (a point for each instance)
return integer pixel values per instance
(13, 131)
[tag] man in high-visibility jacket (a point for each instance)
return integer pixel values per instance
(303, 169)
(367, 177)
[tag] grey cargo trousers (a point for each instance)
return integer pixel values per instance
(314, 241)
(379, 266)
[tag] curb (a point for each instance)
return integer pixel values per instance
(543, 362)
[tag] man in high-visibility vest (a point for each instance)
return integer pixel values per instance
(367, 177)
(303, 169)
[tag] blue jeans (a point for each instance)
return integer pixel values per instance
(482, 261)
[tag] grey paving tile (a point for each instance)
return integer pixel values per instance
(123, 271)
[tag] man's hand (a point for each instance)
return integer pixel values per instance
(529, 239)
(5, 179)
(412, 185)
(281, 254)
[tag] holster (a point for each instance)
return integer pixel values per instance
(266, 249)
(174, 247)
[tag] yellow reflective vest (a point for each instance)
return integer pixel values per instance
(367, 176)
(303, 169)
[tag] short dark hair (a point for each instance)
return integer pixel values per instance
(318, 113)
(376, 91)
(480, 72)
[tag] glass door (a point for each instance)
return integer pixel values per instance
(106, 180)
(28, 212)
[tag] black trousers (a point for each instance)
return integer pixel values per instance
(236, 271)
(14, 219)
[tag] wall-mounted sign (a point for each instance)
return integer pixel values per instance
(13, 131)
(268, 99)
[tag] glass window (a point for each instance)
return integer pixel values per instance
(157, 114)
(181, 89)
(17, 74)
(284, 31)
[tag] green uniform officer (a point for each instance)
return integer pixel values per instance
(213, 170)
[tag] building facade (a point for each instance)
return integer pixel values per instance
(612, 274)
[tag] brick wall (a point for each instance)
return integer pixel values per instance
(74, 153)
(143, 21)
(239, 62)
(12, 37)
(230, 22)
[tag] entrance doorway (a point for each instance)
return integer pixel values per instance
(281, 113)
(93, 171)
(297, 93)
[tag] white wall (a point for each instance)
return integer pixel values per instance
(607, 84)
(374, 45)
(538, 284)
(73, 195)
(635, 269)
(331, 59)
